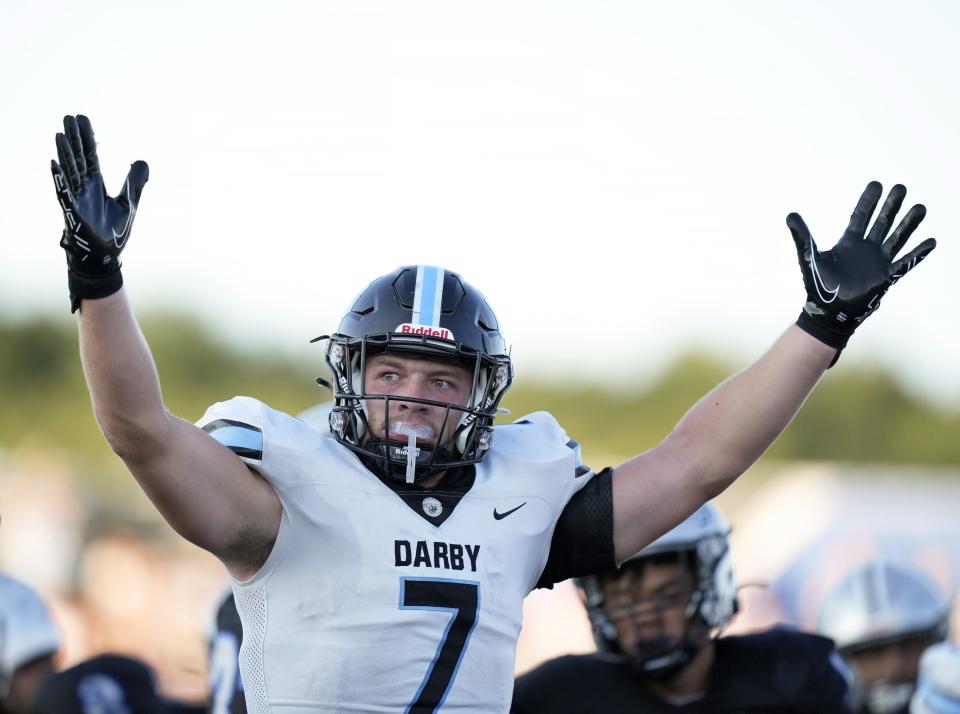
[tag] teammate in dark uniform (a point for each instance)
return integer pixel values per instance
(106, 684)
(226, 687)
(653, 620)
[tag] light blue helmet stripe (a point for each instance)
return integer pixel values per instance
(428, 296)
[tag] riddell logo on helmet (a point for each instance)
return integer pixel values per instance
(409, 328)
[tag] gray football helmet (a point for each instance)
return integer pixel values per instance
(27, 632)
(880, 603)
(701, 543)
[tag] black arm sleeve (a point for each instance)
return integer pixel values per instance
(583, 539)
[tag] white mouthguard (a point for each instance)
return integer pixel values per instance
(412, 432)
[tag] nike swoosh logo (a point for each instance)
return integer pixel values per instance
(498, 516)
(822, 290)
(120, 238)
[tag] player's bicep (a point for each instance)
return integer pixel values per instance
(208, 494)
(652, 493)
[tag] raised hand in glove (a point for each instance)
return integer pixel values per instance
(844, 284)
(96, 226)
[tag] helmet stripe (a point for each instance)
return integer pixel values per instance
(428, 296)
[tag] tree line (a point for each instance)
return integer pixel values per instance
(855, 415)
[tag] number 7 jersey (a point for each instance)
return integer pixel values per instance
(382, 597)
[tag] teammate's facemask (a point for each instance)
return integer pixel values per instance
(425, 312)
(891, 694)
(706, 592)
(655, 651)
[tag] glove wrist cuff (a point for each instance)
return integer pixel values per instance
(91, 287)
(818, 330)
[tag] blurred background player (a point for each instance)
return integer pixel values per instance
(226, 687)
(938, 687)
(107, 684)
(882, 616)
(654, 621)
(28, 644)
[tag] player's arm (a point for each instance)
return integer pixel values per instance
(202, 489)
(727, 430)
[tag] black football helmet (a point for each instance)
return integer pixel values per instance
(429, 312)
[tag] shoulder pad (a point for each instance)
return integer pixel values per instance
(797, 660)
(238, 425)
(784, 641)
(537, 437)
(318, 417)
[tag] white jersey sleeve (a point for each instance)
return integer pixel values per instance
(383, 597)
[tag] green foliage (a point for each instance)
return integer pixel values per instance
(853, 415)
(197, 368)
(41, 383)
(45, 400)
(867, 416)
(610, 422)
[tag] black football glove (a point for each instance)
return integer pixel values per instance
(844, 284)
(96, 227)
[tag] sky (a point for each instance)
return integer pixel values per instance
(613, 176)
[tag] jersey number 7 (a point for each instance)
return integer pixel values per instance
(460, 598)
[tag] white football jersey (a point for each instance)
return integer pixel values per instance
(381, 600)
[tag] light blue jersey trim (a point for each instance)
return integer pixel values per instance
(239, 437)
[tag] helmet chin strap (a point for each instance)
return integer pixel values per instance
(661, 662)
(668, 665)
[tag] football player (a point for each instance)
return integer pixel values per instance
(882, 616)
(106, 684)
(654, 621)
(382, 566)
(938, 686)
(28, 644)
